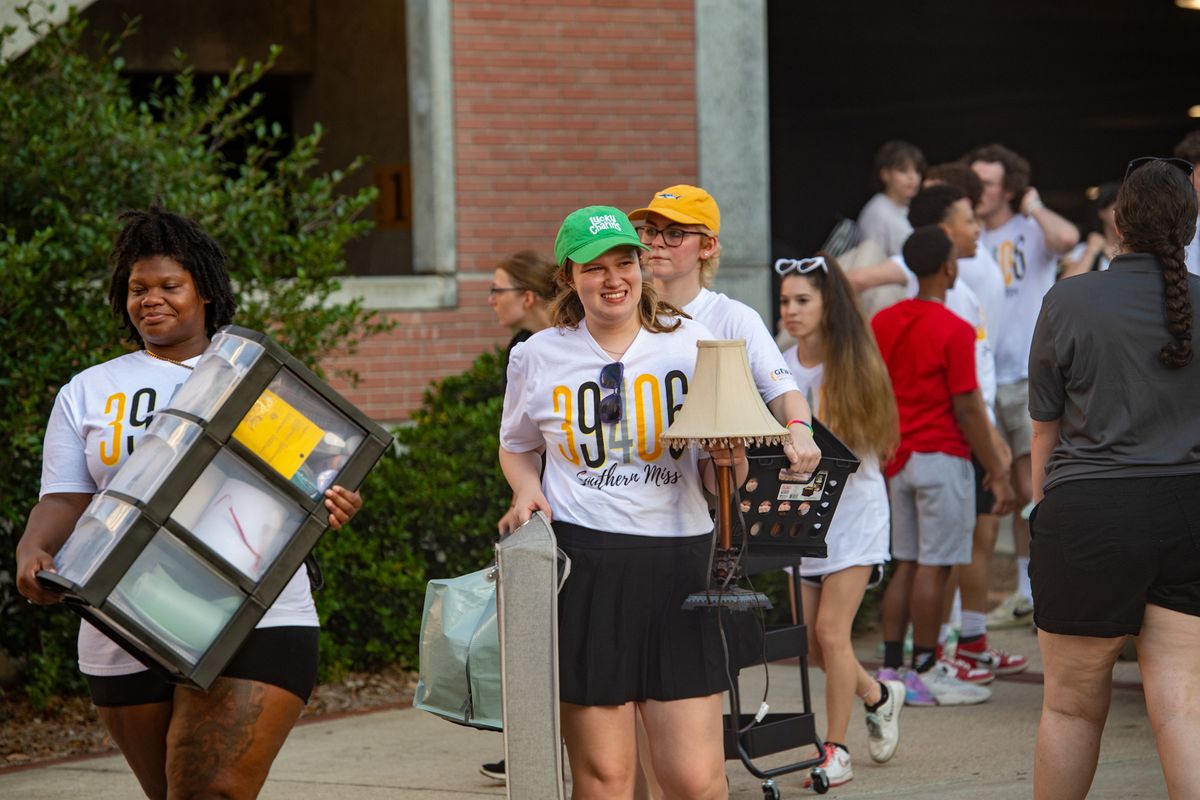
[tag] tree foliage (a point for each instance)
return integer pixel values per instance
(430, 511)
(77, 148)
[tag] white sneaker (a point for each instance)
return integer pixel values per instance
(836, 766)
(883, 724)
(950, 691)
(1016, 611)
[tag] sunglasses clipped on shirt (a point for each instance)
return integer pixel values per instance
(801, 266)
(612, 376)
(1181, 164)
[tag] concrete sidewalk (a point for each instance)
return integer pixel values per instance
(968, 753)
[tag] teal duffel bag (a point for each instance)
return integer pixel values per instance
(460, 651)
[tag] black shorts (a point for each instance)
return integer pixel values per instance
(623, 633)
(285, 657)
(1102, 549)
(985, 501)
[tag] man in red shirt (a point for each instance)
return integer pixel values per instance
(930, 355)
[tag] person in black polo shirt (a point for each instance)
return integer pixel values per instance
(1113, 392)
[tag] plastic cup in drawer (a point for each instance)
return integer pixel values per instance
(96, 533)
(239, 514)
(165, 442)
(176, 597)
(216, 375)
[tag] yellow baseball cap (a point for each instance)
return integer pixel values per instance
(689, 205)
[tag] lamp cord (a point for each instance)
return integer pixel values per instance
(735, 693)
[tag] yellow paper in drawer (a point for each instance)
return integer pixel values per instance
(278, 434)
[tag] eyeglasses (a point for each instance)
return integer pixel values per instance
(495, 290)
(801, 266)
(612, 377)
(1178, 163)
(672, 237)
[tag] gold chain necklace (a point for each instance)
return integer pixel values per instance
(152, 354)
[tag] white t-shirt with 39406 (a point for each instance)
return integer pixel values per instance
(616, 477)
(97, 420)
(730, 319)
(1029, 270)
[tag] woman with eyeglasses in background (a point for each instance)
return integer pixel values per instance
(837, 365)
(596, 391)
(521, 291)
(1116, 477)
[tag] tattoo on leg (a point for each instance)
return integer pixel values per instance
(223, 732)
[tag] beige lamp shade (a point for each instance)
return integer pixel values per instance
(723, 407)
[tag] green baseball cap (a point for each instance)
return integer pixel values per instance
(589, 232)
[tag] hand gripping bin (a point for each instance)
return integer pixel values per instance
(209, 518)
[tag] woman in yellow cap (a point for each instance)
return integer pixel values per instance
(681, 229)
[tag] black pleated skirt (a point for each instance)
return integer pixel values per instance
(623, 633)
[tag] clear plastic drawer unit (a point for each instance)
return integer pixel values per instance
(216, 509)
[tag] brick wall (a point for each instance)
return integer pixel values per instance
(558, 104)
(425, 345)
(566, 103)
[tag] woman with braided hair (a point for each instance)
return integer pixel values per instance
(1113, 390)
(170, 288)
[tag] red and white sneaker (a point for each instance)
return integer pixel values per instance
(836, 767)
(978, 654)
(965, 671)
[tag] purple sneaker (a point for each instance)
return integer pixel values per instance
(918, 693)
(887, 674)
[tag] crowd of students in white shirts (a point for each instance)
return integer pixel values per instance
(1000, 251)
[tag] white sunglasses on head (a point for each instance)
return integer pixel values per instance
(801, 266)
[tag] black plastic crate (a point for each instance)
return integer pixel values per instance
(786, 518)
(775, 734)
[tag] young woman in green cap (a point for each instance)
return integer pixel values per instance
(595, 392)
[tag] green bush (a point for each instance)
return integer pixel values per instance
(429, 511)
(77, 149)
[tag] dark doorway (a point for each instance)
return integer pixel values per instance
(1078, 87)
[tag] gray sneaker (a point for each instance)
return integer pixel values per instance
(950, 691)
(883, 724)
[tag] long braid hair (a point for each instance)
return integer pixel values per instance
(1156, 214)
(158, 232)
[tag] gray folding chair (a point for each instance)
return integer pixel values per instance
(527, 606)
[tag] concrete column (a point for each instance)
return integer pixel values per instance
(431, 134)
(731, 99)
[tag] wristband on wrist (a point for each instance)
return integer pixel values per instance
(801, 422)
(1033, 205)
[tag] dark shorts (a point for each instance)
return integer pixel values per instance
(1102, 549)
(285, 657)
(623, 633)
(985, 501)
